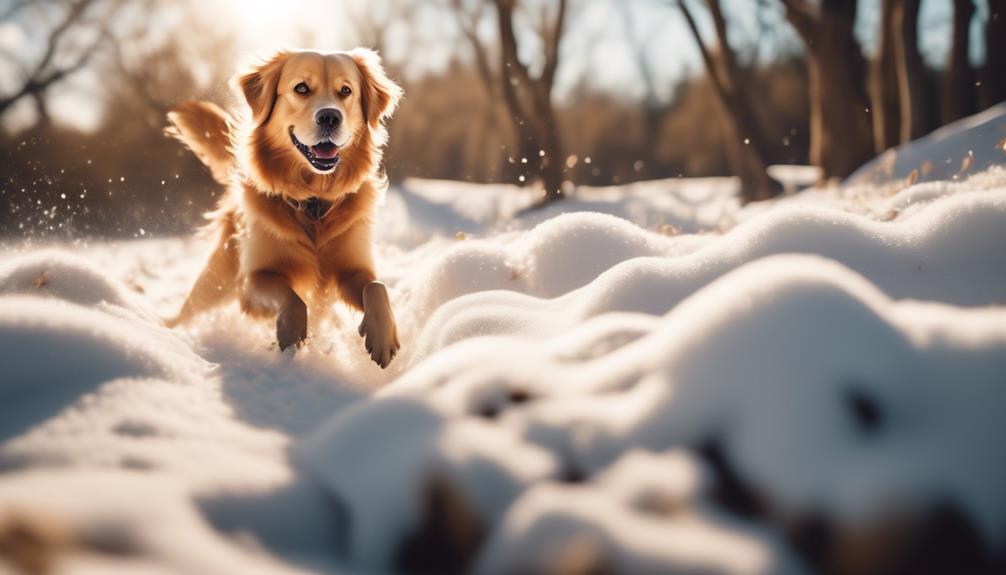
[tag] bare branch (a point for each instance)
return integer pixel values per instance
(551, 39)
(508, 45)
(804, 17)
(41, 76)
(73, 15)
(707, 58)
(468, 23)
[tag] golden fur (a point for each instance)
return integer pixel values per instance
(272, 255)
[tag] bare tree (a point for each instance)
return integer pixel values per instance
(529, 97)
(884, 83)
(994, 82)
(840, 133)
(912, 91)
(151, 78)
(745, 135)
(372, 20)
(958, 78)
(468, 22)
(54, 66)
(468, 15)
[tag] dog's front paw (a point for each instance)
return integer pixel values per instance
(291, 324)
(378, 326)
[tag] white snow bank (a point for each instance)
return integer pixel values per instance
(420, 209)
(938, 252)
(90, 522)
(68, 330)
(114, 431)
(644, 515)
(381, 482)
(824, 396)
(576, 390)
(955, 151)
(61, 275)
(555, 257)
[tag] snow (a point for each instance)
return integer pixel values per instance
(967, 146)
(648, 378)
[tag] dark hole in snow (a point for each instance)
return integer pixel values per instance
(730, 490)
(571, 473)
(813, 537)
(489, 411)
(948, 542)
(519, 396)
(448, 536)
(941, 540)
(865, 410)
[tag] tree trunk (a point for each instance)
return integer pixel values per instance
(840, 133)
(884, 84)
(42, 109)
(911, 71)
(521, 132)
(752, 142)
(994, 83)
(552, 162)
(744, 137)
(958, 77)
(530, 100)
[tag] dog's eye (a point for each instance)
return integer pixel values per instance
(345, 91)
(301, 88)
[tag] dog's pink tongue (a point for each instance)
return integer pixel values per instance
(325, 151)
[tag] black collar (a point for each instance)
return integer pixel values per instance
(313, 208)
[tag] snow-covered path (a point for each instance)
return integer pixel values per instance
(641, 379)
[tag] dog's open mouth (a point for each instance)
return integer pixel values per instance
(323, 156)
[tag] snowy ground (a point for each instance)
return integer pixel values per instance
(644, 379)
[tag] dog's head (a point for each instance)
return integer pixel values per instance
(317, 120)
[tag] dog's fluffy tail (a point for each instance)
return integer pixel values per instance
(206, 129)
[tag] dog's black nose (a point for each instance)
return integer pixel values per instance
(328, 118)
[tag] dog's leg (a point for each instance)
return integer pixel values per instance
(361, 290)
(270, 292)
(217, 280)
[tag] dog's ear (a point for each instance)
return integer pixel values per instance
(380, 93)
(259, 86)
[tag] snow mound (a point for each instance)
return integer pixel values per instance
(936, 252)
(659, 381)
(793, 375)
(416, 454)
(955, 151)
(641, 516)
(65, 328)
(59, 274)
(62, 319)
(107, 532)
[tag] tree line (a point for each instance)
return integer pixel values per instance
(493, 114)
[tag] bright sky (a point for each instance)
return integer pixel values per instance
(594, 50)
(595, 45)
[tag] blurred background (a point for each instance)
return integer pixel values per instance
(546, 93)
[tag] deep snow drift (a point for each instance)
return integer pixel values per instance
(645, 379)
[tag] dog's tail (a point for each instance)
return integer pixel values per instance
(205, 129)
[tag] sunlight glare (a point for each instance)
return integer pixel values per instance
(266, 25)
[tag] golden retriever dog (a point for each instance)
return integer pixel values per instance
(303, 180)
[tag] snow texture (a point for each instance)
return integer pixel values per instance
(642, 379)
